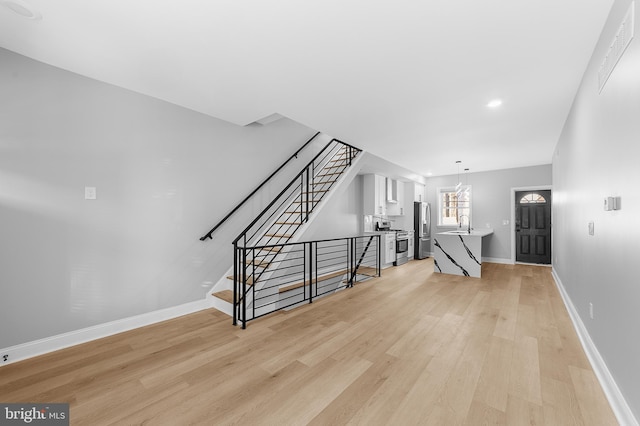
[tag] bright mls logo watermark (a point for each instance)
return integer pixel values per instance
(34, 414)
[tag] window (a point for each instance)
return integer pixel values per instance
(532, 199)
(454, 208)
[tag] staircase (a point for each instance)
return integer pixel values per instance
(272, 270)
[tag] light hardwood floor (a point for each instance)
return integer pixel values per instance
(411, 347)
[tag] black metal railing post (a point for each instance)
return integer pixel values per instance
(308, 195)
(253, 286)
(244, 288)
(235, 283)
(353, 260)
(311, 268)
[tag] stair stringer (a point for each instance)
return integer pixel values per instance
(338, 187)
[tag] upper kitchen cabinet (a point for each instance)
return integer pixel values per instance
(395, 198)
(419, 192)
(374, 195)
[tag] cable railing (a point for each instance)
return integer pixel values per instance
(278, 223)
(299, 273)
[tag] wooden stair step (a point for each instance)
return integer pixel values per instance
(226, 295)
(278, 235)
(364, 270)
(325, 182)
(328, 174)
(288, 223)
(271, 249)
(249, 280)
(325, 277)
(260, 264)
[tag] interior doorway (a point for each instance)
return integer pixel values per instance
(533, 226)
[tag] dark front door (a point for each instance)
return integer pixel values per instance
(533, 226)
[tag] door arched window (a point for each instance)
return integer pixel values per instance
(533, 198)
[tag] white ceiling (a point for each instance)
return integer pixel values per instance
(406, 80)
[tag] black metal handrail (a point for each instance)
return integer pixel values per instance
(295, 155)
(303, 271)
(305, 171)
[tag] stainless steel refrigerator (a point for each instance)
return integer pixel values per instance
(422, 228)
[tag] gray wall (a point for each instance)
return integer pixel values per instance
(491, 202)
(597, 156)
(164, 176)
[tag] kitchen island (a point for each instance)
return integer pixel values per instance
(459, 252)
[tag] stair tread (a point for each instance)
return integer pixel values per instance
(226, 295)
(249, 280)
(324, 277)
(316, 190)
(260, 264)
(271, 249)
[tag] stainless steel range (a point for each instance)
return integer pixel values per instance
(402, 241)
(402, 247)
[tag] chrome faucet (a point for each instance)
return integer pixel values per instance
(468, 222)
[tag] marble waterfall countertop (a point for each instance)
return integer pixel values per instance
(459, 252)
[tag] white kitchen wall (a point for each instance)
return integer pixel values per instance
(164, 176)
(597, 156)
(491, 198)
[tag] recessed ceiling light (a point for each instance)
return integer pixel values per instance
(495, 103)
(21, 8)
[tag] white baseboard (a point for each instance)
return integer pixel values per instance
(618, 404)
(72, 338)
(497, 260)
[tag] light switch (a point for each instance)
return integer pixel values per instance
(90, 193)
(591, 228)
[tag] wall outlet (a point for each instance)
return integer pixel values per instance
(591, 310)
(5, 357)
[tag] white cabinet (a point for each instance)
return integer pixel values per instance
(396, 208)
(374, 195)
(419, 193)
(389, 247)
(411, 245)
